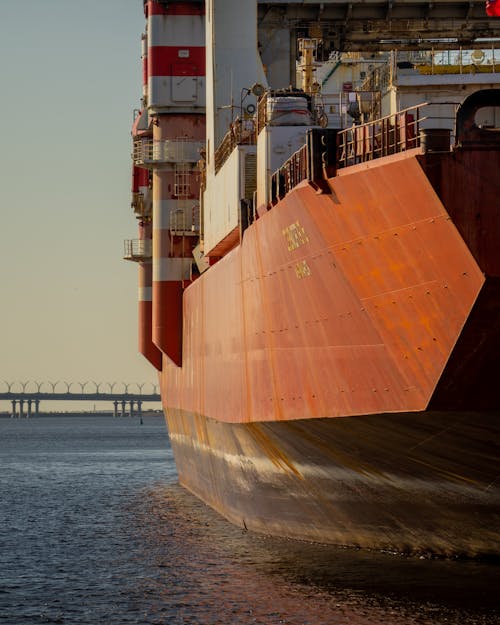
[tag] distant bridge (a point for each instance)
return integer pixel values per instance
(26, 403)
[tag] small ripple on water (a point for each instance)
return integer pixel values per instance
(207, 570)
(103, 537)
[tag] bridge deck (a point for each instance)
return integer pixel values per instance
(151, 397)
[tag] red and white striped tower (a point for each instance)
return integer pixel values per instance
(142, 204)
(176, 101)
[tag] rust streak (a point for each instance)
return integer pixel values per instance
(275, 455)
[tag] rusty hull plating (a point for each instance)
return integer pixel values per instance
(338, 304)
(376, 303)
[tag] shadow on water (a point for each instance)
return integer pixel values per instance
(95, 530)
(203, 561)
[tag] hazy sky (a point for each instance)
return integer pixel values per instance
(70, 79)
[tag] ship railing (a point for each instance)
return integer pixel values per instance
(314, 161)
(327, 149)
(457, 61)
(151, 153)
(241, 132)
(185, 221)
(288, 176)
(388, 135)
(138, 250)
(406, 63)
(261, 113)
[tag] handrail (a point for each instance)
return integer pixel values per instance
(388, 135)
(138, 249)
(185, 221)
(314, 161)
(327, 150)
(153, 152)
(293, 171)
(241, 132)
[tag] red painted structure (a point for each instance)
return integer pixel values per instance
(166, 134)
(333, 360)
(358, 318)
(333, 375)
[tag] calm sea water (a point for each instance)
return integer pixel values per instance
(95, 530)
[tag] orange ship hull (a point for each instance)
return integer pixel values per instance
(338, 304)
(322, 306)
(316, 353)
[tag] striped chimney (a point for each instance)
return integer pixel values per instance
(175, 205)
(176, 55)
(176, 98)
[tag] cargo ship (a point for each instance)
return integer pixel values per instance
(319, 283)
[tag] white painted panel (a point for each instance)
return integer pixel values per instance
(160, 91)
(184, 88)
(275, 145)
(223, 196)
(145, 294)
(177, 30)
(233, 63)
(166, 269)
(161, 213)
(263, 169)
(276, 58)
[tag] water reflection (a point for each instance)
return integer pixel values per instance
(94, 530)
(204, 570)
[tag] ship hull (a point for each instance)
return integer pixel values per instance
(329, 364)
(335, 304)
(320, 364)
(412, 483)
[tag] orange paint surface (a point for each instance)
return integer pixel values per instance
(333, 305)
